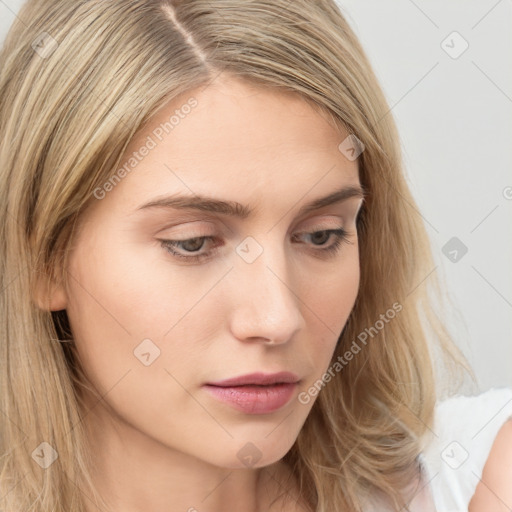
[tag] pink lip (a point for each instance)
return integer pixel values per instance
(256, 393)
(254, 399)
(259, 379)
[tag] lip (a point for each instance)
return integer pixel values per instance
(255, 393)
(254, 399)
(257, 379)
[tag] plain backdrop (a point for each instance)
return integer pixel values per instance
(445, 69)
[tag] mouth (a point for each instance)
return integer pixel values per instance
(256, 393)
(257, 379)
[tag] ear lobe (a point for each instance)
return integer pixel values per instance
(49, 295)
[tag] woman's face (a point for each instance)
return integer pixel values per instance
(248, 293)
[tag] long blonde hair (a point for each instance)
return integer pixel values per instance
(78, 79)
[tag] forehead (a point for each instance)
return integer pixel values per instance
(237, 115)
(235, 141)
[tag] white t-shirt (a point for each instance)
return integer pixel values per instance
(464, 431)
(459, 444)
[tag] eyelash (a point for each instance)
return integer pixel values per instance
(341, 236)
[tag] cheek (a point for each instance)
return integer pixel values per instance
(134, 294)
(131, 300)
(328, 304)
(332, 293)
(120, 310)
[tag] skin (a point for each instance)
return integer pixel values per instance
(494, 492)
(161, 442)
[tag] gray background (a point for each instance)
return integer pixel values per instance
(454, 114)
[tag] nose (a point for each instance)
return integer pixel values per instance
(265, 305)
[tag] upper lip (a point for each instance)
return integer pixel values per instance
(259, 379)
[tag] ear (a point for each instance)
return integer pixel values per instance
(49, 294)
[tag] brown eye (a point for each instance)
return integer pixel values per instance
(320, 237)
(193, 244)
(187, 247)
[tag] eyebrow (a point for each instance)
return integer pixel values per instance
(235, 209)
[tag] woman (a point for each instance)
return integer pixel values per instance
(214, 278)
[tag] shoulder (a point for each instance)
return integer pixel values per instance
(494, 492)
(465, 430)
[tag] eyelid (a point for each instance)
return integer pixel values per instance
(310, 224)
(185, 224)
(326, 222)
(347, 210)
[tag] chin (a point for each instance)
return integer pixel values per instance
(248, 454)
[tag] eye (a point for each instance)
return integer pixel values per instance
(189, 249)
(190, 245)
(319, 238)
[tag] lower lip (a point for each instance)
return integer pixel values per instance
(255, 399)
